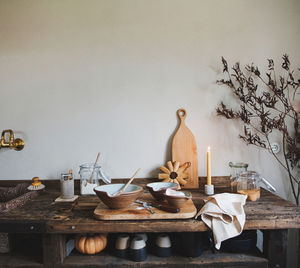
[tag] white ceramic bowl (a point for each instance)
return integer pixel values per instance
(179, 200)
(157, 189)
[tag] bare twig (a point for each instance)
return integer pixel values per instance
(261, 114)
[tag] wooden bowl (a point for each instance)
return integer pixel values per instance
(157, 189)
(105, 192)
(178, 201)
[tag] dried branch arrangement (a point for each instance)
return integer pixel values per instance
(267, 105)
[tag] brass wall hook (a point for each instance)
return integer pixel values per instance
(12, 143)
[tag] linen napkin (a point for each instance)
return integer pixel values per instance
(224, 215)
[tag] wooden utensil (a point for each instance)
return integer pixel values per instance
(184, 149)
(91, 178)
(126, 185)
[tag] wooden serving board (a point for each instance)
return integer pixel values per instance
(184, 149)
(138, 212)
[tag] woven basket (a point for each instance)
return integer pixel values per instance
(12, 197)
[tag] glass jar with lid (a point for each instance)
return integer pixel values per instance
(235, 169)
(89, 178)
(249, 183)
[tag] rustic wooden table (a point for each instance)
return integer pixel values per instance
(55, 221)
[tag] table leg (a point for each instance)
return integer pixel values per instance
(54, 249)
(275, 247)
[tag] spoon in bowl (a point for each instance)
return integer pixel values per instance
(126, 185)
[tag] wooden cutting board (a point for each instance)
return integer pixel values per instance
(138, 212)
(184, 149)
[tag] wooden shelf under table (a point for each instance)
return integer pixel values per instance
(19, 260)
(206, 259)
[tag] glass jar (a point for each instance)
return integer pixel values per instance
(67, 186)
(89, 178)
(249, 183)
(235, 169)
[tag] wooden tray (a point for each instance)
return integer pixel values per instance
(138, 212)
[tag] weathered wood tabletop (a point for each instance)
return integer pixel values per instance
(55, 221)
(43, 215)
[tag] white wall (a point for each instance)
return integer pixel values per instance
(78, 77)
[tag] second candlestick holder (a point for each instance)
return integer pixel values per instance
(209, 189)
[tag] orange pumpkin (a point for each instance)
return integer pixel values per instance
(91, 244)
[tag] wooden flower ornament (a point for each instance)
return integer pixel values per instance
(174, 172)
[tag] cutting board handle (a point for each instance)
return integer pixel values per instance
(181, 114)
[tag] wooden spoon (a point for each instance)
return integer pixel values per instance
(126, 185)
(90, 180)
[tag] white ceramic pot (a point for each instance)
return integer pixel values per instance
(163, 241)
(138, 250)
(122, 242)
(137, 243)
(144, 236)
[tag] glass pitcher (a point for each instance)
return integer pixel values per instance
(235, 169)
(89, 178)
(249, 183)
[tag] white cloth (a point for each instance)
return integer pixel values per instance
(224, 215)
